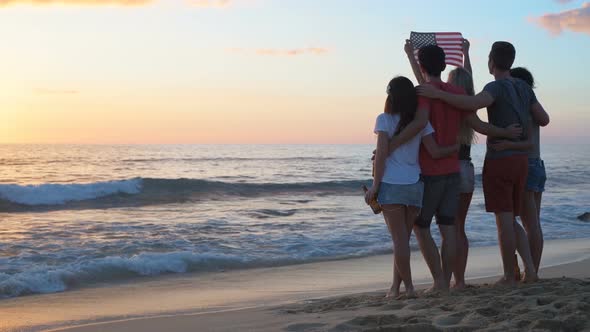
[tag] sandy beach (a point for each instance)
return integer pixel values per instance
(329, 296)
(554, 304)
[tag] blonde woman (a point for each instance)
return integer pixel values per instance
(461, 77)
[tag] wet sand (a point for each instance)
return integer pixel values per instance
(348, 297)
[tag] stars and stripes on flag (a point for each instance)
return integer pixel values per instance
(450, 42)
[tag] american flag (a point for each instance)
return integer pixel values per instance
(450, 42)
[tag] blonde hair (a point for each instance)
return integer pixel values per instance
(463, 79)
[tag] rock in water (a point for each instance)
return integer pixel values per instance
(584, 216)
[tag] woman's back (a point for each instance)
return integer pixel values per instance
(402, 166)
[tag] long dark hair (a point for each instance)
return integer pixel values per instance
(524, 74)
(402, 100)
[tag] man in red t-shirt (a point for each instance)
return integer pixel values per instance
(440, 176)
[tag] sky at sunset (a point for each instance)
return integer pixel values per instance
(258, 71)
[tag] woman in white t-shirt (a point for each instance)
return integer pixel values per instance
(397, 176)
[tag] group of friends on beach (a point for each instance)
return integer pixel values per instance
(423, 169)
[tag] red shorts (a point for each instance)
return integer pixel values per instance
(504, 182)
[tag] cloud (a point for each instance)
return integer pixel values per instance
(4, 3)
(577, 20)
(280, 51)
(563, 1)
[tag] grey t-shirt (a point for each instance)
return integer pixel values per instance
(512, 103)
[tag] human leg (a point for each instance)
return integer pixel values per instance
(431, 256)
(397, 280)
(528, 215)
(395, 216)
(411, 214)
(462, 241)
(433, 191)
(503, 184)
(523, 248)
(531, 207)
(445, 218)
(507, 241)
(448, 250)
(538, 199)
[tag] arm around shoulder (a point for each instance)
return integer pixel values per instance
(470, 103)
(412, 129)
(464, 102)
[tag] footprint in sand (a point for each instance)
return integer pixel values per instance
(424, 304)
(449, 320)
(545, 300)
(393, 306)
(420, 327)
(523, 324)
(374, 320)
(529, 291)
(414, 320)
(447, 307)
(487, 311)
(549, 324)
(305, 327)
(387, 323)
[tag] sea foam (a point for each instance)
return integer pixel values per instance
(56, 194)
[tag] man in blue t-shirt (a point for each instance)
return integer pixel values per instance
(508, 100)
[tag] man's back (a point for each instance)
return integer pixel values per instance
(512, 101)
(446, 121)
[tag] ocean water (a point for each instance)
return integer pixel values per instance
(78, 215)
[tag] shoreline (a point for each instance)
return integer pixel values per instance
(218, 294)
(340, 307)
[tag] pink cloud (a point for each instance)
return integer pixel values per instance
(75, 2)
(564, 1)
(577, 20)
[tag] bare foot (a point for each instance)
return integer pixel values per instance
(393, 293)
(442, 285)
(436, 288)
(459, 285)
(530, 277)
(431, 290)
(503, 282)
(411, 293)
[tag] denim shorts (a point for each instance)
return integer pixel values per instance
(535, 181)
(402, 194)
(441, 198)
